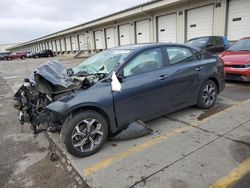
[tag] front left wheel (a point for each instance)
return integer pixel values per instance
(85, 133)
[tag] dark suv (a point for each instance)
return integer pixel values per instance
(213, 44)
(4, 55)
(43, 53)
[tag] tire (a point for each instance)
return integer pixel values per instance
(207, 95)
(36, 56)
(77, 133)
(8, 58)
(22, 58)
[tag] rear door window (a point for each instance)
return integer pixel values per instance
(179, 55)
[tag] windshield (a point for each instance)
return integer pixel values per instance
(241, 45)
(103, 62)
(200, 42)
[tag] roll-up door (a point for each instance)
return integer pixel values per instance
(142, 31)
(200, 22)
(166, 28)
(58, 46)
(110, 37)
(124, 34)
(74, 43)
(98, 40)
(68, 44)
(63, 45)
(238, 19)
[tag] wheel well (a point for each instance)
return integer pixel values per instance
(216, 83)
(93, 108)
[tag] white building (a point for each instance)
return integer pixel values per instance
(156, 21)
(4, 47)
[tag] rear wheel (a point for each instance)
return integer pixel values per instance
(85, 133)
(36, 56)
(207, 95)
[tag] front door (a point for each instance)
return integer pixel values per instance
(141, 88)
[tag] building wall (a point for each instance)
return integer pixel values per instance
(180, 8)
(3, 47)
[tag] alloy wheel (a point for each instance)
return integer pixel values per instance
(209, 94)
(87, 135)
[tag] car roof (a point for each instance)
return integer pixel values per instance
(147, 46)
(207, 37)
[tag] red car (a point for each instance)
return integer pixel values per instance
(237, 60)
(17, 55)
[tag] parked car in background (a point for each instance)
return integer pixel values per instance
(4, 55)
(237, 60)
(16, 55)
(213, 44)
(29, 55)
(148, 80)
(43, 53)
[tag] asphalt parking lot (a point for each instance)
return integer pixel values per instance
(188, 148)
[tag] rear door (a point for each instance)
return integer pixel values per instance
(185, 76)
(142, 88)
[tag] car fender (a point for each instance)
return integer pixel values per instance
(98, 97)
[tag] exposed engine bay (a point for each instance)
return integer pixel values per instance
(50, 82)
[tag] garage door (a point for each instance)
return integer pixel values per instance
(142, 31)
(63, 45)
(74, 43)
(167, 28)
(124, 34)
(238, 19)
(110, 37)
(200, 22)
(81, 41)
(98, 40)
(50, 45)
(54, 45)
(58, 45)
(68, 44)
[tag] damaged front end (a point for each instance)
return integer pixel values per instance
(50, 82)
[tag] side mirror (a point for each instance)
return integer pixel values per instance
(115, 84)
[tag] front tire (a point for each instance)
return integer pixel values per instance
(208, 95)
(85, 133)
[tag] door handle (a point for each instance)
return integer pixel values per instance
(199, 68)
(162, 77)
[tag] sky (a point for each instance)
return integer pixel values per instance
(23, 20)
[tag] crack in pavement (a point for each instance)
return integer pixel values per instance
(188, 124)
(212, 132)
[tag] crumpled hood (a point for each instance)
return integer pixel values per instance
(54, 72)
(52, 78)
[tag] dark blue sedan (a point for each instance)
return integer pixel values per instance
(125, 84)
